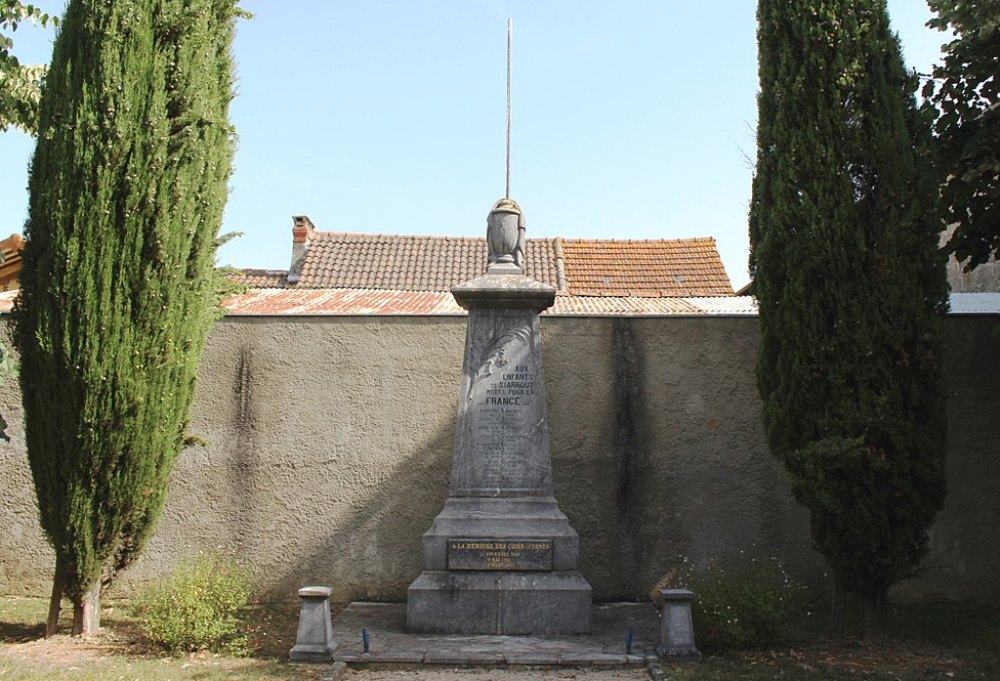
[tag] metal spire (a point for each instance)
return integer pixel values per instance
(510, 32)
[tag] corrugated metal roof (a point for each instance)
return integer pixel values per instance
(291, 302)
(727, 305)
(620, 306)
(975, 303)
(379, 301)
(341, 302)
(7, 300)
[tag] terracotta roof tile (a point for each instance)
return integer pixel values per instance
(10, 261)
(659, 268)
(411, 263)
(261, 278)
(662, 268)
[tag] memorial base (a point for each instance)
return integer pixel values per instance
(501, 518)
(492, 602)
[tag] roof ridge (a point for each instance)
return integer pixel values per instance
(560, 262)
(690, 239)
(552, 239)
(374, 236)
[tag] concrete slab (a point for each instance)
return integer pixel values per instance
(392, 646)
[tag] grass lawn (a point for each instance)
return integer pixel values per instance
(120, 651)
(921, 642)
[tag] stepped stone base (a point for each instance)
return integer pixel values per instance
(501, 518)
(494, 602)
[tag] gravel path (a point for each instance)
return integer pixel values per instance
(497, 675)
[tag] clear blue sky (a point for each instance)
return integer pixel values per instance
(631, 119)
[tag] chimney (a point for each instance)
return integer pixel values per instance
(302, 235)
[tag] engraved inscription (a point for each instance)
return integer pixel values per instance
(499, 554)
(502, 439)
(502, 415)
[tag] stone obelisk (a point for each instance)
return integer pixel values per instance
(501, 557)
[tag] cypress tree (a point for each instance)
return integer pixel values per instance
(850, 286)
(127, 188)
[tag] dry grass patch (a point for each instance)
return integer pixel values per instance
(121, 653)
(921, 642)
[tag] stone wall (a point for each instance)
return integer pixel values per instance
(329, 446)
(984, 278)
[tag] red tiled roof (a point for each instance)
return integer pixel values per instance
(261, 278)
(407, 263)
(10, 263)
(663, 268)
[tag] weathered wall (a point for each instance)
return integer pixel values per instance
(330, 443)
(985, 277)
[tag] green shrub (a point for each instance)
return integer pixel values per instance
(746, 604)
(201, 605)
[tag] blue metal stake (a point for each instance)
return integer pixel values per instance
(365, 639)
(629, 638)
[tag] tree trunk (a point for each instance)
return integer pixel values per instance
(55, 601)
(87, 613)
(876, 611)
(837, 607)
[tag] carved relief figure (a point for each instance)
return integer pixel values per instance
(495, 352)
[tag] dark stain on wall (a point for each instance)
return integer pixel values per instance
(243, 387)
(626, 378)
(242, 476)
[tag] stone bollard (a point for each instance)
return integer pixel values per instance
(676, 628)
(314, 642)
